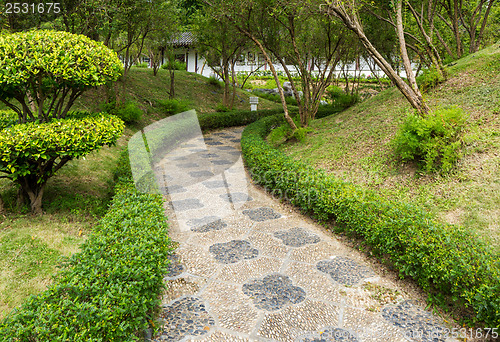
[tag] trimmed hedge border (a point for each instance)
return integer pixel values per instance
(444, 260)
(108, 290)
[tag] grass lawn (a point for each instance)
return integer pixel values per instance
(355, 146)
(31, 247)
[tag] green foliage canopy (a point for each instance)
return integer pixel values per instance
(45, 71)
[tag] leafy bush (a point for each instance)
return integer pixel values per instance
(60, 65)
(276, 98)
(176, 65)
(445, 260)
(221, 108)
(172, 106)
(339, 98)
(429, 79)
(108, 291)
(128, 112)
(233, 118)
(141, 65)
(433, 141)
(31, 153)
(7, 118)
(213, 81)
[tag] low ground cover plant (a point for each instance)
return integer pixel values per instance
(444, 260)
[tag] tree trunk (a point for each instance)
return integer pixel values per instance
(351, 23)
(34, 191)
(172, 83)
(225, 99)
(2, 207)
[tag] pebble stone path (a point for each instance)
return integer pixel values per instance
(261, 271)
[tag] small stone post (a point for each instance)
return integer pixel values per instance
(254, 101)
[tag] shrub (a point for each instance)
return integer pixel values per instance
(276, 98)
(213, 81)
(221, 108)
(128, 112)
(175, 65)
(429, 79)
(445, 260)
(108, 291)
(31, 153)
(141, 65)
(172, 106)
(233, 118)
(339, 98)
(46, 61)
(433, 141)
(7, 118)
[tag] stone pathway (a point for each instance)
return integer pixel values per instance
(248, 268)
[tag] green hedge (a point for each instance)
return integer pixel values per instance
(447, 261)
(233, 118)
(108, 290)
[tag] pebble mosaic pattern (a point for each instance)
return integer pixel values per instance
(209, 155)
(214, 223)
(187, 165)
(261, 214)
(200, 174)
(185, 317)
(273, 281)
(297, 237)
(175, 189)
(329, 335)
(416, 322)
(235, 197)
(187, 204)
(343, 270)
(215, 184)
(233, 251)
(221, 162)
(175, 268)
(273, 292)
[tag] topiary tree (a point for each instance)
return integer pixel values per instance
(42, 73)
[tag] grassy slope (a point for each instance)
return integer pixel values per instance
(355, 146)
(141, 86)
(78, 195)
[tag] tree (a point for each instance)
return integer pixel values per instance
(297, 33)
(348, 13)
(42, 73)
(220, 44)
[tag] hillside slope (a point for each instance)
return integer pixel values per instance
(355, 146)
(145, 89)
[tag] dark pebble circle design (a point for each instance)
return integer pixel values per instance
(329, 334)
(343, 270)
(200, 174)
(214, 184)
(185, 317)
(297, 237)
(221, 162)
(209, 155)
(187, 165)
(233, 251)
(226, 148)
(179, 158)
(236, 140)
(235, 197)
(175, 268)
(261, 214)
(197, 150)
(273, 292)
(417, 323)
(213, 143)
(187, 204)
(175, 189)
(206, 224)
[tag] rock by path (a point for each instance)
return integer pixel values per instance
(249, 269)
